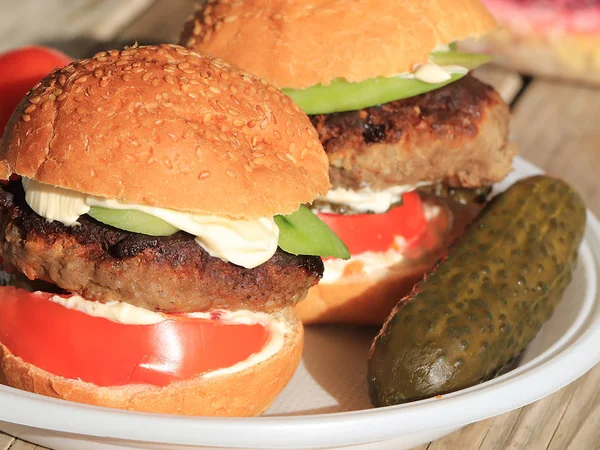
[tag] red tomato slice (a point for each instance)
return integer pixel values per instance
(377, 232)
(22, 69)
(72, 344)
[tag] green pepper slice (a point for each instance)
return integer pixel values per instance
(341, 95)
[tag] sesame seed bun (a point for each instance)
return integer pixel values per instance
(245, 393)
(299, 44)
(164, 126)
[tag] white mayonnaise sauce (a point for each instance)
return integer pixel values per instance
(365, 199)
(247, 243)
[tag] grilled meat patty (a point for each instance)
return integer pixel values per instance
(171, 274)
(456, 135)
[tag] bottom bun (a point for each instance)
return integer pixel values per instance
(568, 56)
(364, 302)
(248, 392)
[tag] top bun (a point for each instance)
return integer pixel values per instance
(164, 126)
(302, 43)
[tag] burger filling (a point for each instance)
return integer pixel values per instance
(131, 308)
(445, 65)
(116, 344)
(408, 175)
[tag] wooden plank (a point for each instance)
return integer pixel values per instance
(73, 27)
(500, 430)
(556, 127)
(5, 441)
(580, 424)
(22, 445)
(468, 438)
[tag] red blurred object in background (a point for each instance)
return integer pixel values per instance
(22, 69)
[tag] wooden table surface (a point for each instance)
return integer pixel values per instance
(555, 124)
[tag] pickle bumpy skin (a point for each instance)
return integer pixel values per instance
(478, 309)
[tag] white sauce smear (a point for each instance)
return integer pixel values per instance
(247, 243)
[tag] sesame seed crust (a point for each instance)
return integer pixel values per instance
(165, 123)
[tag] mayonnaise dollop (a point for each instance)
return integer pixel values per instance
(433, 73)
(247, 243)
(367, 200)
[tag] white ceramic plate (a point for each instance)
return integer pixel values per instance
(326, 404)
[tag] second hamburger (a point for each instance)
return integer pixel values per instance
(406, 128)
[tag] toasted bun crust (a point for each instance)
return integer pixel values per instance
(246, 393)
(165, 126)
(569, 56)
(302, 43)
(364, 302)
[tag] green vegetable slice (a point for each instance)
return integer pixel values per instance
(300, 233)
(341, 95)
(467, 60)
(303, 233)
(134, 221)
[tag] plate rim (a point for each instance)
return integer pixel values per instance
(563, 357)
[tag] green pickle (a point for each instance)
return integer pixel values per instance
(341, 95)
(476, 312)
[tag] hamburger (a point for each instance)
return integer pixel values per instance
(414, 142)
(153, 225)
(557, 38)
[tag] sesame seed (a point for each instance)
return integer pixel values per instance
(79, 98)
(103, 82)
(183, 65)
(251, 124)
(81, 110)
(214, 89)
(238, 123)
(277, 135)
(47, 104)
(192, 95)
(231, 173)
(248, 167)
(35, 100)
(146, 76)
(199, 153)
(170, 79)
(230, 19)
(126, 77)
(155, 82)
(258, 154)
(26, 118)
(207, 118)
(203, 175)
(52, 97)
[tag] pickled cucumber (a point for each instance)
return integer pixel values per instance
(479, 308)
